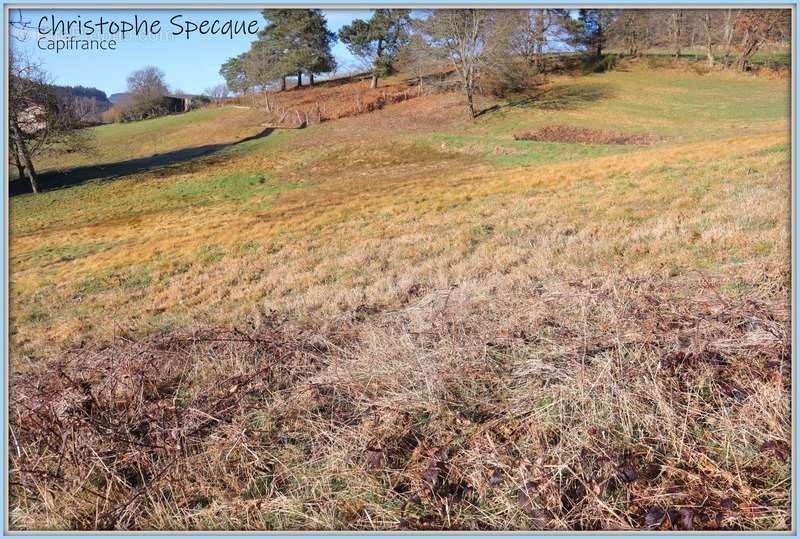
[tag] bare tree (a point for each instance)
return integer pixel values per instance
(25, 87)
(146, 91)
(757, 27)
(461, 34)
(709, 23)
(634, 31)
(217, 93)
(533, 30)
(418, 58)
(263, 66)
(728, 33)
(39, 118)
(676, 30)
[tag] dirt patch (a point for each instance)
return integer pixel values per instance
(585, 135)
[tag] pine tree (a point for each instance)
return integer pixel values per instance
(235, 75)
(303, 38)
(591, 29)
(380, 39)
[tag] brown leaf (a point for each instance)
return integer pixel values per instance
(433, 473)
(686, 518)
(525, 498)
(778, 448)
(374, 458)
(496, 478)
(628, 472)
(655, 518)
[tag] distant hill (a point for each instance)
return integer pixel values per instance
(118, 97)
(88, 103)
(82, 91)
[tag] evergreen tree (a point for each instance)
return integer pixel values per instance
(303, 39)
(235, 74)
(380, 39)
(591, 29)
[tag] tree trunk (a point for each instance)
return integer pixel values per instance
(677, 21)
(311, 79)
(468, 91)
(299, 79)
(23, 156)
(539, 39)
(470, 105)
(20, 168)
(728, 37)
(743, 64)
(377, 65)
(538, 55)
(707, 25)
(283, 83)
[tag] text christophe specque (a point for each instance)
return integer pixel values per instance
(56, 34)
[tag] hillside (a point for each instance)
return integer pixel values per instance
(404, 320)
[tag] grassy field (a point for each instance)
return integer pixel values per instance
(404, 320)
(123, 142)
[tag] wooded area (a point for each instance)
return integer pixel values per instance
(507, 47)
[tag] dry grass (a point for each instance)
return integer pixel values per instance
(457, 412)
(334, 100)
(578, 135)
(425, 339)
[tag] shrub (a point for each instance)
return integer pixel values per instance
(593, 64)
(112, 115)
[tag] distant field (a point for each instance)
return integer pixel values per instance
(121, 142)
(544, 313)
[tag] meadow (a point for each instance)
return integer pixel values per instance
(405, 320)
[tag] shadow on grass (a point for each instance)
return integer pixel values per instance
(59, 179)
(561, 97)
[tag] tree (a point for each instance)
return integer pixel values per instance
(676, 22)
(417, 56)
(590, 30)
(757, 27)
(380, 38)
(262, 66)
(728, 33)
(217, 93)
(515, 47)
(532, 31)
(146, 91)
(633, 30)
(235, 74)
(303, 40)
(39, 116)
(461, 34)
(710, 26)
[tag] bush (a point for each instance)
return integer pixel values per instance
(112, 115)
(656, 62)
(593, 64)
(701, 68)
(511, 76)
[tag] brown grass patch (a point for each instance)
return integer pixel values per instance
(509, 417)
(585, 135)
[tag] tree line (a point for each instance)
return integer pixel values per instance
(508, 46)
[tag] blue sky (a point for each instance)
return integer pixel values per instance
(190, 65)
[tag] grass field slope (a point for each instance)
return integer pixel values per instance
(571, 313)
